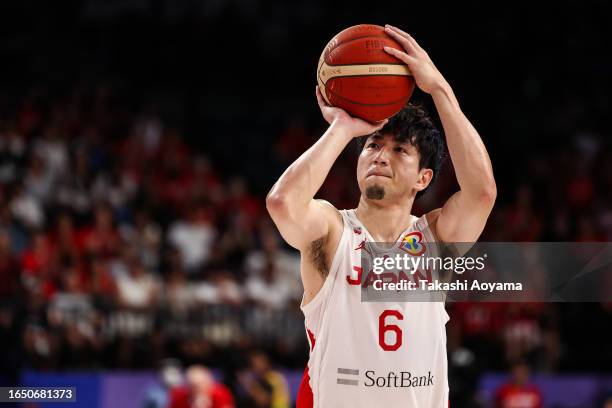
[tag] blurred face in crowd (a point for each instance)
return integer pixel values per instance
(136, 268)
(200, 215)
(5, 242)
(389, 169)
(260, 363)
(171, 375)
(40, 242)
(520, 374)
(64, 222)
(71, 280)
(104, 218)
(5, 214)
(36, 166)
(269, 242)
(199, 379)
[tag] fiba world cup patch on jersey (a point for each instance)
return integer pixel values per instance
(413, 243)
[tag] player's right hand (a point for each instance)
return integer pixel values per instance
(354, 126)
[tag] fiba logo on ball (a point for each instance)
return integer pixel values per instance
(412, 243)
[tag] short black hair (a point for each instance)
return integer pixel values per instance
(413, 125)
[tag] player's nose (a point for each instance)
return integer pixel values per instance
(382, 156)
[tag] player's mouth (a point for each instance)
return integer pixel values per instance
(377, 174)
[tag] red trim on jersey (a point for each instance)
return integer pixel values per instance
(311, 338)
(304, 395)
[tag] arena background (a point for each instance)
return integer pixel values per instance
(138, 139)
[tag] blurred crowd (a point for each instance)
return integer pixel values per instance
(105, 241)
(256, 385)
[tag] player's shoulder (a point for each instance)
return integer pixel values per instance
(457, 248)
(326, 204)
(430, 221)
(432, 216)
(330, 210)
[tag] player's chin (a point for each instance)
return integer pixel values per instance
(375, 192)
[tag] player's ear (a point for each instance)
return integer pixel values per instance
(425, 176)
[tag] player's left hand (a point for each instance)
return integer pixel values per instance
(425, 73)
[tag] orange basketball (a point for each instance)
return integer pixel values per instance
(356, 74)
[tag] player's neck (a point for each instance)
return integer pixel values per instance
(385, 222)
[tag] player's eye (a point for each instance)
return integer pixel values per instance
(372, 145)
(400, 149)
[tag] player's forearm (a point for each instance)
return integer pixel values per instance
(304, 177)
(468, 153)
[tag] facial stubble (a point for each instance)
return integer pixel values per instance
(375, 192)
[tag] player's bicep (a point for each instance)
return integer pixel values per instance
(461, 219)
(301, 229)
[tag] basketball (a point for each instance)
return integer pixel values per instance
(356, 74)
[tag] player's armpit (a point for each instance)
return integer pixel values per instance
(462, 218)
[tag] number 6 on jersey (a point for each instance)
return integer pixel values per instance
(383, 328)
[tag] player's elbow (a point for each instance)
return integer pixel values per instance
(488, 193)
(481, 195)
(276, 203)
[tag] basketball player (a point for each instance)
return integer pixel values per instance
(380, 354)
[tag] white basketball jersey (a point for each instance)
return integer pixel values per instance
(374, 354)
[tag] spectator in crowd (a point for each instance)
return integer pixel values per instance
(103, 286)
(201, 391)
(262, 386)
(17, 233)
(9, 268)
(145, 235)
(267, 287)
(170, 377)
(138, 288)
(66, 240)
(12, 154)
(103, 238)
(27, 209)
(39, 266)
(280, 265)
(73, 191)
(518, 392)
(178, 293)
(39, 180)
(193, 237)
(71, 315)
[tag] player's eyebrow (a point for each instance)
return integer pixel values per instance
(377, 136)
(405, 143)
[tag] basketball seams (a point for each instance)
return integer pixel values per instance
(363, 63)
(320, 80)
(384, 36)
(339, 47)
(350, 100)
(353, 70)
(405, 99)
(376, 74)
